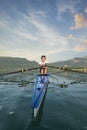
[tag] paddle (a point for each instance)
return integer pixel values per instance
(19, 71)
(53, 67)
(26, 70)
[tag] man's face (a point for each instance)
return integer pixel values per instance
(43, 59)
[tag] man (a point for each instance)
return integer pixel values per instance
(43, 65)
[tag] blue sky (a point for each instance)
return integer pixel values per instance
(31, 28)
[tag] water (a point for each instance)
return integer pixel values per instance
(64, 107)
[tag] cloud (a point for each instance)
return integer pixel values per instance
(69, 37)
(85, 42)
(78, 44)
(63, 7)
(80, 22)
(82, 46)
(26, 35)
(46, 34)
(31, 34)
(72, 37)
(85, 10)
(79, 48)
(17, 53)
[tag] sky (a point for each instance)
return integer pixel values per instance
(55, 28)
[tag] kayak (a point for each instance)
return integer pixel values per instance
(39, 92)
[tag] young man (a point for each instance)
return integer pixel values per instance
(43, 65)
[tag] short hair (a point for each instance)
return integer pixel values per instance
(43, 56)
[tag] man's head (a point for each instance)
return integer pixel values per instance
(43, 58)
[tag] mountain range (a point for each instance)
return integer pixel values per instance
(8, 64)
(77, 62)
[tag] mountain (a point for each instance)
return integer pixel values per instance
(77, 62)
(8, 64)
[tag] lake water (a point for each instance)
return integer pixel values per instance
(64, 107)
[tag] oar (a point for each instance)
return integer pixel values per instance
(53, 67)
(19, 71)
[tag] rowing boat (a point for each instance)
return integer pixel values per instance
(39, 91)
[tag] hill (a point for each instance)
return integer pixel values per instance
(77, 62)
(8, 64)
